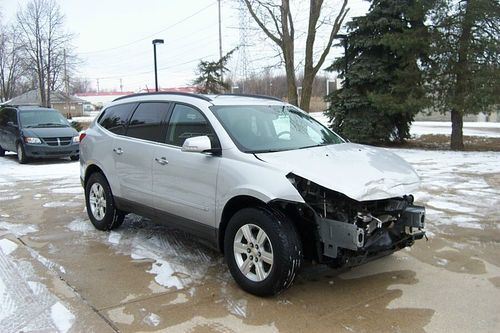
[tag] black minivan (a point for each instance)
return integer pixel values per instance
(37, 132)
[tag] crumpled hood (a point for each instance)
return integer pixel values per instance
(357, 171)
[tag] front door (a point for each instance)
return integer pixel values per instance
(184, 183)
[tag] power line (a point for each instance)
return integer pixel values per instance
(152, 35)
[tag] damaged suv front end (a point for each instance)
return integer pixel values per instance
(352, 232)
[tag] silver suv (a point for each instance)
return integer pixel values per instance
(254, 177)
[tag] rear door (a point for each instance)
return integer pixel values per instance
(134, 151)
(184, 183)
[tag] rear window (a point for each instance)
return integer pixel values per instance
(115, 118)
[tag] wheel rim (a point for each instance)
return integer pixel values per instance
(97, 200)
(253, 252)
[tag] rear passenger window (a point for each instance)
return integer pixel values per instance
(187, 122)
(115, 118)
(147, 122)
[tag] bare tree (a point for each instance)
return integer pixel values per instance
(276, 21)
(10, 64)
(41, 31)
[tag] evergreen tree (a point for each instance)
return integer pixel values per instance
(465, 71)
(383, 82)
(210, 80)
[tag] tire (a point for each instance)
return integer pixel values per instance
(2, 152)
(104, 216)
(275, 263)
(21, 154)
(74, 157)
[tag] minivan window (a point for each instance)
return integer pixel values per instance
(42, 118)
(187, 122)
(147, 122)
(115, 118)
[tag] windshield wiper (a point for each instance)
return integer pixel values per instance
(318, 145)
(52, 124)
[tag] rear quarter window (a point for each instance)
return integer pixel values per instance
(115, 118)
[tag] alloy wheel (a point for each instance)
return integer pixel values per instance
(253, 252)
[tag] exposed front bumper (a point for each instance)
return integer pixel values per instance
(46, 151)
(353, 245)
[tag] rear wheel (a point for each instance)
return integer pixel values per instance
(74, 157)
(100, 204)
(2, 151)
(263, 251)
(21, 154)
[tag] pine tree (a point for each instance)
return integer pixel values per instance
(383, 82)
(465, 71)
(210, 80)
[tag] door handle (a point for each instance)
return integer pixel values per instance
(118, 151)
(162, 160)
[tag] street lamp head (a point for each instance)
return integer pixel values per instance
(158, 41)
(340, 36)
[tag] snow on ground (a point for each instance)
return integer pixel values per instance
(418, 128)
(11, 171)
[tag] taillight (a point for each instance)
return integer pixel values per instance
(82, 136)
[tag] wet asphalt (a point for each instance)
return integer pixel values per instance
(147, 277)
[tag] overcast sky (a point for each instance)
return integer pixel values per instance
(113, 39)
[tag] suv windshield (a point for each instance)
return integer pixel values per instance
(260, 129)
(42, 118)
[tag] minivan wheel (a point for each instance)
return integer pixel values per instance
(263, 250)
(2, 152)
(100, 204)
(21, 154)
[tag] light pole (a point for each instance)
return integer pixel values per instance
(156, 41)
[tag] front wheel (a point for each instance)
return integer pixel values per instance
(100, 204)
(263, 251)
(2, 151)
(21, 154)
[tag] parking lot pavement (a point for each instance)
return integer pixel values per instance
(57, 273)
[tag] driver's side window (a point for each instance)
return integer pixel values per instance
(187, 122)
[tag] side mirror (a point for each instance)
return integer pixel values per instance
(197, 144)
(10, 123)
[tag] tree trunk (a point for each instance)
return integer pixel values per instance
(305, 96)
(457, 137)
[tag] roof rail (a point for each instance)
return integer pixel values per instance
(205, 98)
(253, 95)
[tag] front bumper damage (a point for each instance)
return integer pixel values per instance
(348, 232)
(351, 245)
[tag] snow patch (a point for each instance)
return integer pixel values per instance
(68, 190)
(114, 237)
(18, 229)
(13, 197)
(80, 225)
(56, 204)
(450, 206)
(61, 317)
(7, 246)
(152, 319)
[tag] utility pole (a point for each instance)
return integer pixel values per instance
(66, 83)
(121, 85)
(220, 45)
(97, 85)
